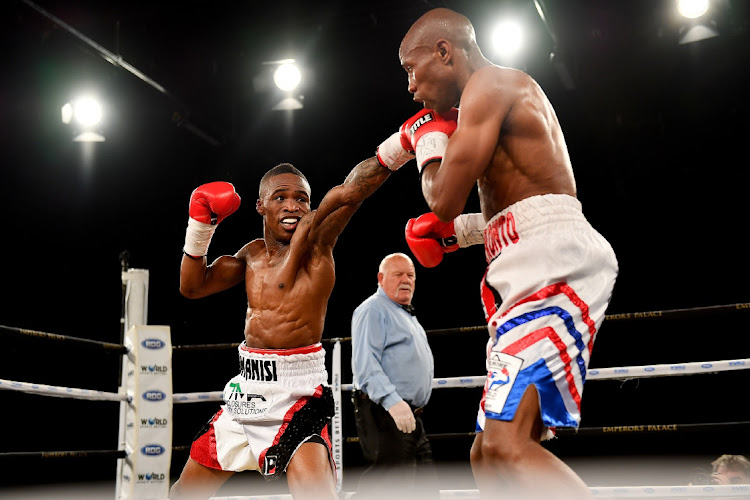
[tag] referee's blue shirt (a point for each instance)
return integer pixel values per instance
(391, 358)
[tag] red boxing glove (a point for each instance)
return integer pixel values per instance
(428, 133)
(209, 204)
(213, 202)
(429, 239)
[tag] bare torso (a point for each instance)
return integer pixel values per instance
(289, 274)
(287, 292)
(530, 157)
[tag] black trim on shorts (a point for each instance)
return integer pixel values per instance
(306, 426)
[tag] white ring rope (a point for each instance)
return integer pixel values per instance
(62, 392)
(615, 373)
(724, 490)
(196, 397)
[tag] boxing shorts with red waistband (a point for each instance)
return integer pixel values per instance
(279, 400)
(548, 283)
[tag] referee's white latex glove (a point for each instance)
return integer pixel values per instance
(403, 416)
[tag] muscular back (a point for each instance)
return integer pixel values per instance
(531, 156)
(508, 141)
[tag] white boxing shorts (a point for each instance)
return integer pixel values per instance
(279, 400)
(548, 283)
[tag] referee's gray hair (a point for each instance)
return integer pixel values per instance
(389, 257)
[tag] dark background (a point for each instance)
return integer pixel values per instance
(657, 133)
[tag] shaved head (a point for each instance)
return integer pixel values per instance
(438, 24)
(440, 53)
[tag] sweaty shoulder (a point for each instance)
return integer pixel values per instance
(495, 83)
(251, 249)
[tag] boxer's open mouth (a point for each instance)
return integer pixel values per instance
(290, 222)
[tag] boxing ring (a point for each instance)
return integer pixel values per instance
(146, 402)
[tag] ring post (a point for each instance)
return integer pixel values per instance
(138, 423)
(148, 419)
(336, 424)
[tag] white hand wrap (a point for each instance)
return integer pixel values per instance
(198, 237)
(391, 154)
(469, 229)
(431, 147)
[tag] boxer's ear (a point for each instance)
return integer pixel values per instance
(444, 50)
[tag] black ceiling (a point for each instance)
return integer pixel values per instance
(656, 129)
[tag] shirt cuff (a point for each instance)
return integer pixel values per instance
(390, 400)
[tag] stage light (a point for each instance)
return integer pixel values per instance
(692, 9)
(84, 114)
(280, 82)
(696, 25)
(287, 76)
(507, 39)
(87, 111)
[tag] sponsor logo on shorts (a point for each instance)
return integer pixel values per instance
(499, 234)
(502, 372)
(263, 370)
(269, 464)
(245, 403)
(152, 450)
(153, 344)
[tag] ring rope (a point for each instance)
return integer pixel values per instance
(581, 431)
(205, 347)
(64, 454)
(646, 371)
(666, 313)
(599, 431)
(107, 346)
(62, 392)
(728, 490)
(615, 373)
(195, 397)
(119, 348)
(723, 490)
(235, 345)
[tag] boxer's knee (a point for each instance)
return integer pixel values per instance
(475, 454)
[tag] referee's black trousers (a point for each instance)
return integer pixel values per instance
(400, 464)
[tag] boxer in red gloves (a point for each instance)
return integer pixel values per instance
(550, 274)
(277, 410)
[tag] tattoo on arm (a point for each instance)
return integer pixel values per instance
(366, 177)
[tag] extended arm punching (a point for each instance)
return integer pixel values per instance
(339, 204)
